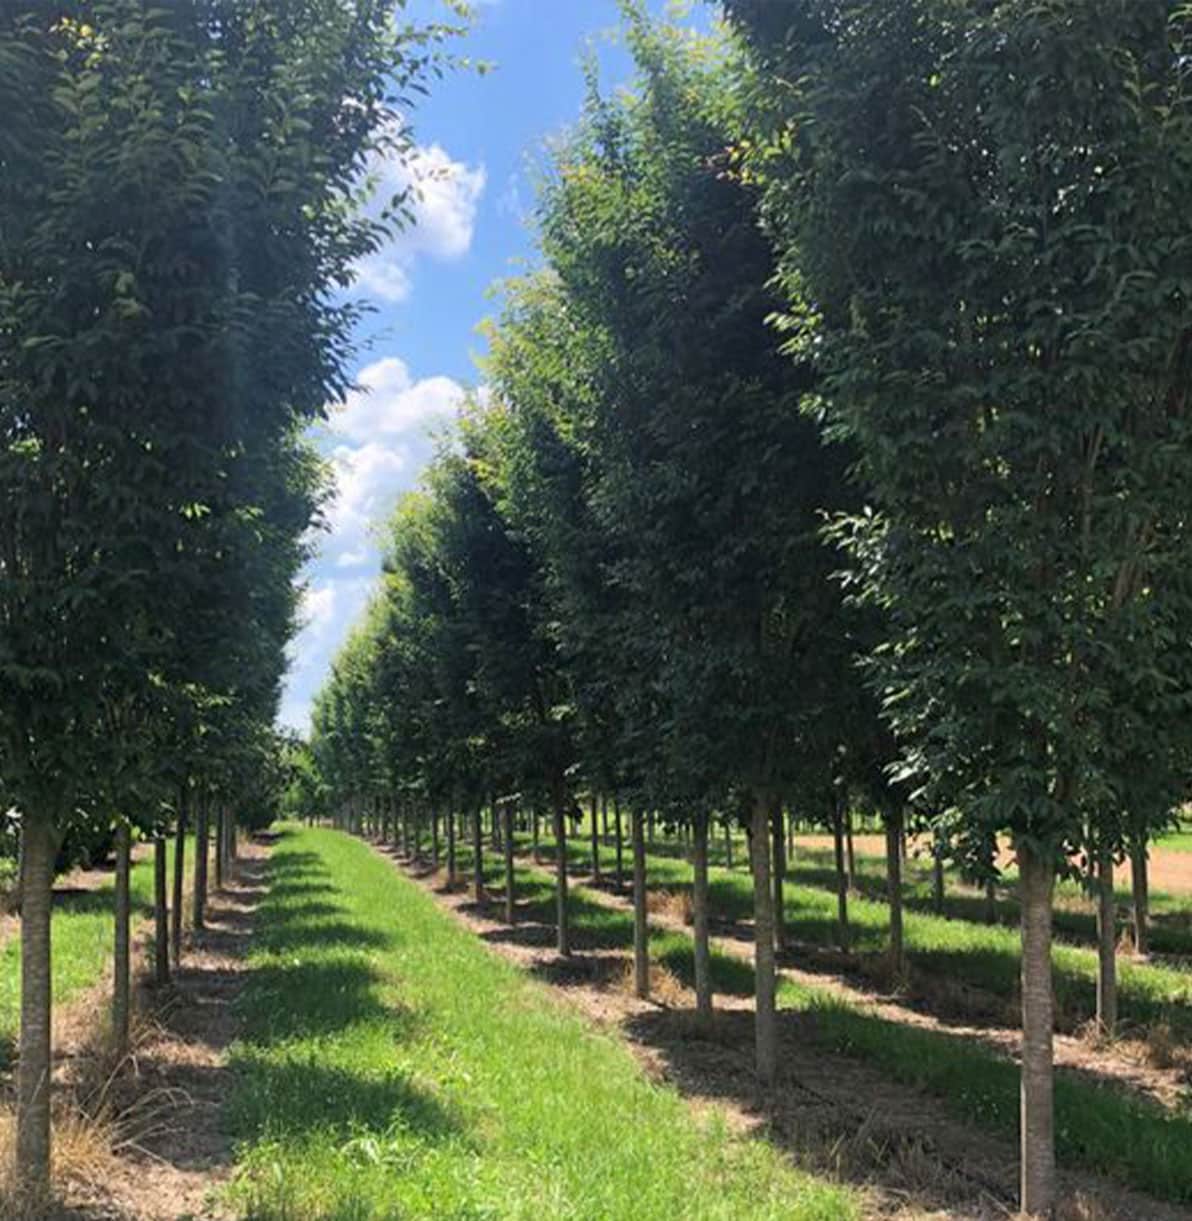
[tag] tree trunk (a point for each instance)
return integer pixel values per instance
(841, 876)
(641, 948)
(765, 1026)
(510, 906)
(451, 869)
(852, 857)
(620, 844)
(894, 888)
(779, 879)
(121, 994)
(564, 937)
(1106, 946)
(161, 914)
(220, 836)
(477, 854)
(33, 1063)
(728, 844)
(201, 851)
(1140, 889)
(604, 816)
(1037, 1123)
(535, 819)
(434, 837)
(650, 828)
(495, 822)
(179, 869)
(937, 877)
(699, 906)
(595, 845)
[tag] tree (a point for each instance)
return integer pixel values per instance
(986, 204)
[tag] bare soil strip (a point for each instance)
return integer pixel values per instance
(835, 1115)
(170, 1154)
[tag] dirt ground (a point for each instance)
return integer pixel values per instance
(831, 1114)
(158, 1151)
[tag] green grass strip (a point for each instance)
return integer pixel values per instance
(391, 1067)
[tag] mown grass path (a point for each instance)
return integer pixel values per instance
(1099, 1127)
(391, 1066)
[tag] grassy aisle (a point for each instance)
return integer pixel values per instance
(983, 956)
(1098, 1127)
(392, 1067)
(83, 932)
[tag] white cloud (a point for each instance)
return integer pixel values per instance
(389, 402)
(444, 195)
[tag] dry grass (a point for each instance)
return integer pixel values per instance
(1161, 1046)
(672, 904)
(666, 989)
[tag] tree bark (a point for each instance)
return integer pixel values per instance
(779, 879)
(220, 836)
(894, 888)
(699, 907)
(595, 844)
(852, 858)
(1106, 946)
(641, 951)
(161, 914)
(451, 865)
(434, 836)
(841, 876)
(121, 974)
(765, 1025)
(33, 1064)
(179, 869)
(510, 906)
(728, 844)
(201, 850)
(604, 816)
(937, 880)
(562, 929)
(620, 844)
(1140, 890)
(477, 854)
(1037, 1123)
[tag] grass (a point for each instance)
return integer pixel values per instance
(1098, 1127)
(82, 934)
(391, 1067)
(986, 957)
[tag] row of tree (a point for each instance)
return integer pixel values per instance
(838, 450)
(179, 218)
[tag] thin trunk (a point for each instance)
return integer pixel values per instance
(1106, 946)
(161, 914)
(179, 869)
(496, 823)
(779, 879)
(510, 907)
(201, 850)
(937, 884)
(535, 831)
(1037, 1121)
(620, 844)
(852, 858)
(564, 937)
(650, 828)
(990, 901)
(894, 888)
(595, 845)
(641, 954)
(699, 906)
(451, 870)
(841, 876)
(477, 854)
(434, 836)
(604, 816)
(33, 1062)
(1140, 889)
(220, 835)
(728, 843)
(766, 1030)
(120, 949)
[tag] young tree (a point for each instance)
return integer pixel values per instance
(986, 202)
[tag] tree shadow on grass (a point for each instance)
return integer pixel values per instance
(325, 933)
(288, 1097)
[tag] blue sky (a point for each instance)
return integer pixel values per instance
(479, 138)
